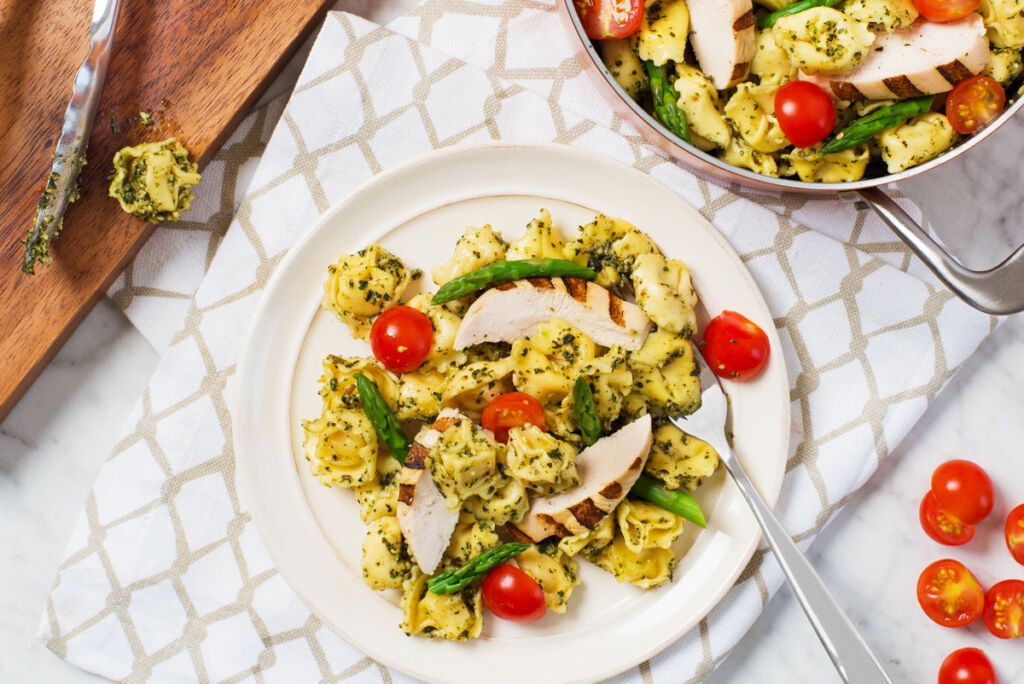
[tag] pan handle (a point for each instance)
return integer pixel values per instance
(999, 290)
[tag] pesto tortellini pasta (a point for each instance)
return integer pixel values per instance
(1004, 64)
(386, 564)
(341, 447)
(361, 285)
(889, 14)
(541, 461)
(379, 497)
(609, 246)
(812, 167)
(338, 382)
(541, 240)
(625, 66)
(477, 248)
(590, 542)
(823, 39)
(751, 111)
(648, 568)
(555, 572)
(646, 526)
(508, 504)
(699, 101)
(610, 379)
(663, 31)
(455, 617)
(919, 140)
(464, 463)
(470, 538)
(770, 64)
(154, 180)
(665, 293)
(679, 460)
(664, 371)
(1004, 20)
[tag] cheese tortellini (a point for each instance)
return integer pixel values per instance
(609, 246)
(812, 167)
(664, 371)
(508, 504)
(455, 617)
(361, 285)
(648, 568)
(919, 140)
(386, 564)
(699, 101)
(625, 66)
(555, 572)
(464, 463)
(379, 498)
(739, 153)
(1005, 22)
(610, 379)
(751, 111)
(679, 460)
(665, 293)
(477, 248)
(889, 14)
(338, 382)
(474, 385)
(341, 447)
(445, 324)
(646, 526)
(590, 542)
(541, 461)
(470, 538)
(663, 31)
(823, 39)
(541, 240)
(1004, 64)
(771, 64)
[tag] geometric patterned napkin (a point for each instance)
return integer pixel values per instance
(165, 577)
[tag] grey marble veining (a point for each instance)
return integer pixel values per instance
(54, 442)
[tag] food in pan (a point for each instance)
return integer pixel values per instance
(154, 180)
(819, 90)
(512, 424)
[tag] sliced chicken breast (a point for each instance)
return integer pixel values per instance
(512, 310)
(608, 468)
(924, 58)
(423, 517)
(722, 35)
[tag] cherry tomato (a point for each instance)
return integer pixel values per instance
(1015, 533)
(964, 490)
(941, 526)
(513, 409)
(735, 347)
(973, 103)
(513, 595)
(805, 113)
(401, 338)
(1004, 609)
(967, 666)
(949, 594)
(610, 19)
(945, 10)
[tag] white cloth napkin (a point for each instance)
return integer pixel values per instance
(165, 576)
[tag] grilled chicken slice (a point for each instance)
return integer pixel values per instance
(423, 517)
(515, 309)
(924, 58)
(722, 35)
(608, 468)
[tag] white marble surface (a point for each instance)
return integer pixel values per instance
(54, 442)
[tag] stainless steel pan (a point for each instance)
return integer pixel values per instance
(999, 290)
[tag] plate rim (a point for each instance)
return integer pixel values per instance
(438, 156)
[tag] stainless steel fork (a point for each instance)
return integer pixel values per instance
(852, 657)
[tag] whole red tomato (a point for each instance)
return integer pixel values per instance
(805, 113)
(1015, 533)
(401, 338)
(967, 666)
(941, 526)
(949, 594)
(513, 595)
(964, 490)
(512, 409)
(1004, 609)
(735, 347)
(610, 19)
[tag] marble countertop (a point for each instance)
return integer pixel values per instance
(53, 443)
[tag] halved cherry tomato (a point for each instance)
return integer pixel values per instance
(805, 112)
(941, 526)
(513, 595)
(964, 490)
(967, 666)
(1015, 533)
(1004, 609)
(610, 19)
(949, 594)
(513, 409)
(945, 10)
(401, 338)
(973, 103)
(734, 346)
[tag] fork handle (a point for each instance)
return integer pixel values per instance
(845, 646)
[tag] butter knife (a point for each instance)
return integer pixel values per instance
(69, 155)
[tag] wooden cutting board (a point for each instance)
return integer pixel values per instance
(199, 65)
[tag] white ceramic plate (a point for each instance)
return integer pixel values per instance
(314, 533)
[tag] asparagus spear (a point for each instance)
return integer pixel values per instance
(646, 487)
(451, 581)
(666, 101)
(384, 421)
(509, 270)
(584, 411)
(864, 128)
(770, 18)
(675, 500)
